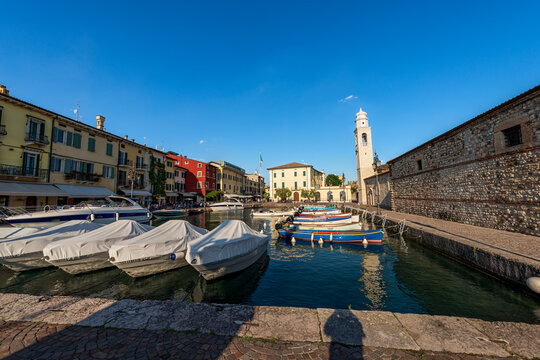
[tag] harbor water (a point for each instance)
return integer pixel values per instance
(399, 276)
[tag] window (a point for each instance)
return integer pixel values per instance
(295, 185)
(275, 174)
(219, 186)
(175, 173)
(169, 175)
(122, 158)
(304, 184)
(295, 174)
(168, 186)
(218, 176)
(304, 174)
(282, 185)
(199, 165)
(364, 139)
(109, 149)
(59, 135)
(512, 136)
(91, 144)
(199, 173)
(122, 178)
(282, 174)
(186, 162)
(169, 163)
(198, 184)
(36, 130)
(140, 164)
(419, 164)
(77, 139)
(30, 164)
(108, 172)
(56, 164)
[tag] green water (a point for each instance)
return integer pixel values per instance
(399, 276)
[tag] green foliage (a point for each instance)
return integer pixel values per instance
(354, 189)
(157, 176)
(305, 194)
(216, 194)
(333, 180)
(283, 193)
(312, 194)
(266, 195)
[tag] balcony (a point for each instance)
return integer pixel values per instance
(20, 171)
(3, 130)
(79, 176)
(36, 139)
(141, 166)
(126, 163)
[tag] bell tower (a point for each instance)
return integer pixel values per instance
(364, 153)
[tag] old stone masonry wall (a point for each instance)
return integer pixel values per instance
(474, 175)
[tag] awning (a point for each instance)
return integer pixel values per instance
(189, 194)
(142, 193)
(81, 191)
(29, 189)
(171, 194)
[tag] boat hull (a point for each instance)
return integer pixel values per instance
(324, 221)
(25, 262)
(229, 266)
(84, 264)
(334, 236)
(226, 207)
(151, 266)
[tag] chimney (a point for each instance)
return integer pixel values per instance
(132, 140)
(100, 120)
(125, 137)
(3, 90)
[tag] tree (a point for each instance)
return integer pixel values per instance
(283, 193)
(304, 194)
(313, 194)
(216, 194)
(157, 176)
(333, 180)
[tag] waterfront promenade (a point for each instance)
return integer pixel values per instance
(33, 327)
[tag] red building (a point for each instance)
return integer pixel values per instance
(200, 176)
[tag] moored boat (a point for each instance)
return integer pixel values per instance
(232, 204)
(341, 219)
(157, 250)
(26, 252)
(102, 211)
(333, 235)
(272, 213)
(90, 251)
(229, 248)
(170, 213)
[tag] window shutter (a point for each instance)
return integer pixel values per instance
(67, 166)
(77, 140)
(91, 169)
(24, 161)
(69, 138)
(54, 137)
(112, 173)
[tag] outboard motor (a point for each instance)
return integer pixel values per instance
(290, 219)
(278, 226)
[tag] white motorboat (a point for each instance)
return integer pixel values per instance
(170, 213)
(90, 251)
(229, 248)
(157, 250)
(327, 220)
(102, 211)
(322, 212)
(272, 213)
(26, 252)
(232, 204)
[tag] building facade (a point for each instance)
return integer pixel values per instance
(384, 190)
(364, 154)
(229, 178)
(200, 177)
(484, 172)
(255, 184)
(296, 177)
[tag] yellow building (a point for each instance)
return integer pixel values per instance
(170, 192)
(254, 184)
(229, 178)
(294, 176)
(133, 166)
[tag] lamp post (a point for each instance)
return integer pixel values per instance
(344, 193)
(376, 165)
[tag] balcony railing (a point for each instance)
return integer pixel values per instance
(8, 170)
(141, 166)
(37, 138)
(3, 130)
(79, 176)
(128, 163)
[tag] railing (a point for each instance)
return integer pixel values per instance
(125, 163)
(3, 130)
(79, 176)
(37, 138)
(141, 166)
(8, 170)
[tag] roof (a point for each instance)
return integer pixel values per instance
(289, 166)
(29, 189)
(521, 97)
(81, 191)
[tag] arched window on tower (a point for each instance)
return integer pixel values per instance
(364, 139)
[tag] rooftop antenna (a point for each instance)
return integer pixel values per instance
(76, 111)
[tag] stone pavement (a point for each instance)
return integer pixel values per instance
(509, 255)
(33, 327)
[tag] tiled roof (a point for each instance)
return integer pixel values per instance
(289, 166)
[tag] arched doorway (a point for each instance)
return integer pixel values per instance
(296, 196)
(317, 196)
(329, 196)
(371, 201)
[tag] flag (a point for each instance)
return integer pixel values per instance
(260, 160)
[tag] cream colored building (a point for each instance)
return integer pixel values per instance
(255, 184)
(229, 178)
(294, 176)
(364, 154)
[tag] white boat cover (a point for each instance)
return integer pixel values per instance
(169, 238)
(37, 241)
(94, 242)
(231, 238)
(13, 232)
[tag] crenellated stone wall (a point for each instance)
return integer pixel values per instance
(472, 175)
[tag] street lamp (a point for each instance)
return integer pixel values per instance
(376, 165)
(344, 193)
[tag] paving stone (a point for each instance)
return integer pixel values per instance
(284, 323)
(522, 339)
(110, 313)
(450, 334)
(34, 308)
(74, 312)
(369, 328)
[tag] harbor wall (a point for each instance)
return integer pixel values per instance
(485, 172)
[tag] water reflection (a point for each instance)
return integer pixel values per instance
(372, 278)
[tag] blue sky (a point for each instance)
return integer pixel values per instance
(227, 80)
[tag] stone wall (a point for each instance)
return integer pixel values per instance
(471, 175)
(385, 189)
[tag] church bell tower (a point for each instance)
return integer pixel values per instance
(364, 154)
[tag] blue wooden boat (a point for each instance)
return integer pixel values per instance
(333, 235)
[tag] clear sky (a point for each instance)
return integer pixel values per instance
(229, 79)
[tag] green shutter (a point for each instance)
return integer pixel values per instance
(54, 131)
(77, 140)
(91, 144)
(112, 173)
(67, 166)
(109, 149)
(91, 168)
(69, 138)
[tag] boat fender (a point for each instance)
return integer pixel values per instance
(175, 256)
(321, 241)
(293, 240)
(149, 214)
(92, 217)
(534, 284)
(365, 242)
(116, 216)
(112, 259)
(262, 231)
